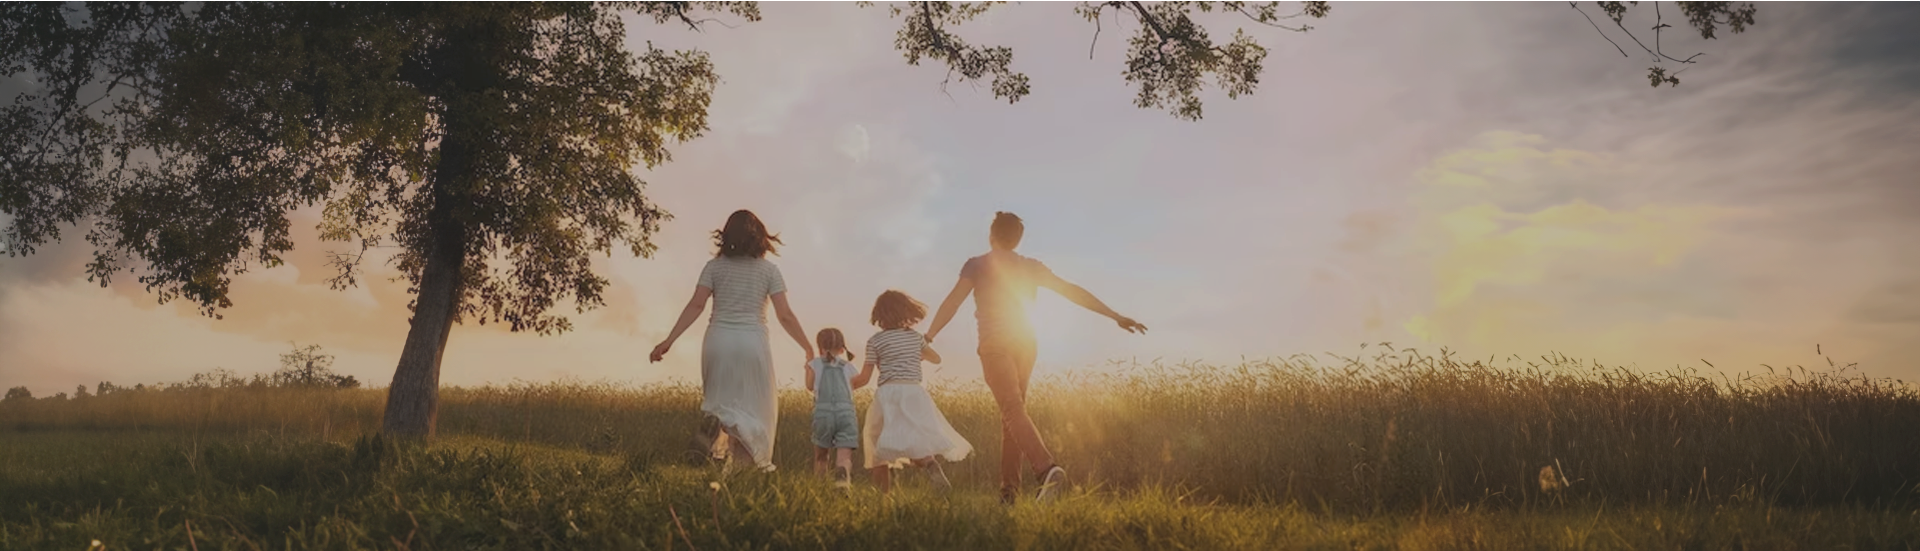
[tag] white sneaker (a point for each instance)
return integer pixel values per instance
(1052, 483)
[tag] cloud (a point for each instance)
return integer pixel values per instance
(1488, 245)
(1542, 256)
(855, 144)
(1896, 304)
(1518, 268)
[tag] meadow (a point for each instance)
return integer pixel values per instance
(1394, 450)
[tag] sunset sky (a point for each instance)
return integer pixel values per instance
(1493, 178)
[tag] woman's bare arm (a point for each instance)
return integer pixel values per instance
(791, 323)
(950, 306)
(694, 306)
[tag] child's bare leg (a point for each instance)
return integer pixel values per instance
(935, 474)
(820, 460)
(740, 453)
(845, 459)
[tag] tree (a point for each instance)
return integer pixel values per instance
(18, 393)
(492, 144)
(309, 367)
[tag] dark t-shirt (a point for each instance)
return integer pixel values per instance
(1004, 283)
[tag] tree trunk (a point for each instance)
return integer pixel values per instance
(469, 62)
(413, 401)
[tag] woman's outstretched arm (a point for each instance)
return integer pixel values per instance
(687, 315)
(948, 307)
(791, 323)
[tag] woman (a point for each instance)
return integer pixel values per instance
(736, 365)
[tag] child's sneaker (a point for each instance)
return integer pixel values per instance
(843, 478)
(1052, 483)
(1008, 494)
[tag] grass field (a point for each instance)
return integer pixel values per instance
(1393, 451)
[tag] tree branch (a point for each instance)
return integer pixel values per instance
(954, 55)
(1152, 23)
(1656, 29)
(1096, 34)
(695, 24)
(1256, 19)
(1092, 12)
(1596, 28)
(1657, 25)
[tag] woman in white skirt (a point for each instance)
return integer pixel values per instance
(903, 426)
(736, 365)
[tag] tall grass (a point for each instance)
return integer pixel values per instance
(1398, 431)
(64, 490)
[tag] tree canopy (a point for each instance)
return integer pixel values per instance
(1170, 55)
(189, 135)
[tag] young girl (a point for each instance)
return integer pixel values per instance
(835, 427)
(903, 426)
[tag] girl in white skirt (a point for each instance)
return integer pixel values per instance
(736, 366)
(903, 425)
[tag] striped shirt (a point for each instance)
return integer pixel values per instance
(741, 287)
(897, 351)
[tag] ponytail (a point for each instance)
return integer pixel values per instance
(829, 339)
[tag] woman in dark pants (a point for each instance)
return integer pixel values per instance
(1002, 284)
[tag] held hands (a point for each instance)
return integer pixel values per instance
(1129, 325)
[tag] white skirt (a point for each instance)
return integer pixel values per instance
(903, 425)
(736, 383)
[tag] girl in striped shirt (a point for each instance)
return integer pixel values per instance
(903, 426)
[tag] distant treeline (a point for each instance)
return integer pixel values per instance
(304, 367)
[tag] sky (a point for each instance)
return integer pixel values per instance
(1490, 178)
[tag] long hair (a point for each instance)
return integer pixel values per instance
(896, 310)
(1007, 230)
(829, 339)
(745, 237)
